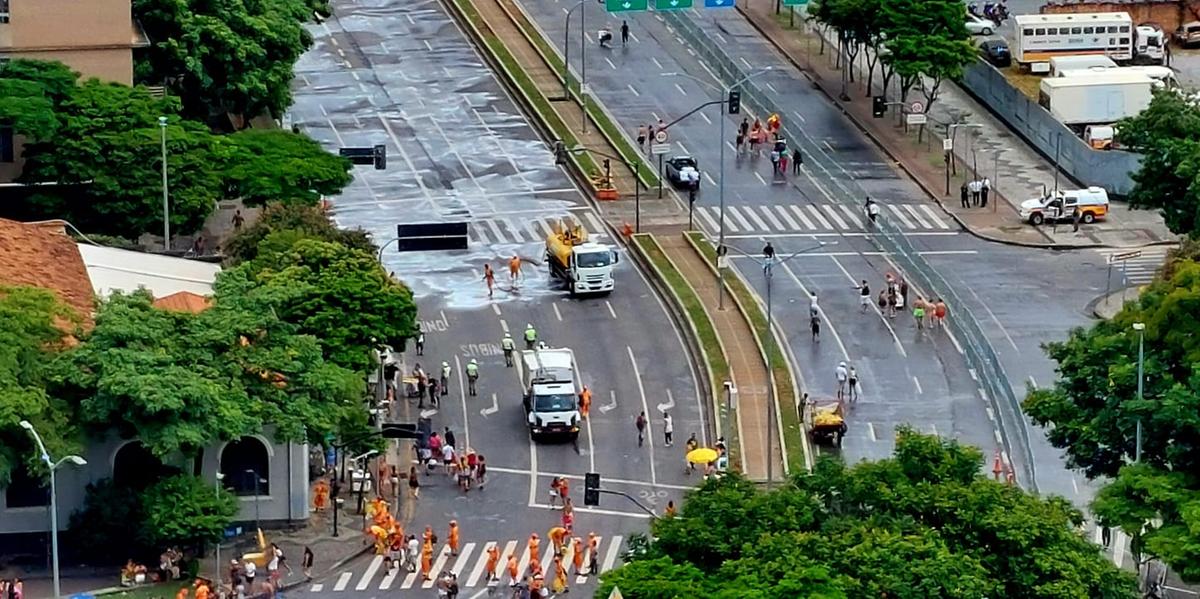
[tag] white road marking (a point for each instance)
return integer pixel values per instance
(557, 314)
(680, 88)
(899, 214)
(875, 308)
(770, 87)
(799, 116)
(496, 309)
(533, 472)
(637, 375)
(816, 214)
(708, 218)
(663, 407)
(610, 309)
(770, 215)
(832, 330)
(709, 178)
(635, 92)
(992, 315)
(316, 588)
(389, 578)
(760, 178)
(917, 383)
(1033, 381)
(365, 581)
(610, 63)
(833, 216)
(492, 410)
(682, 147)
(851, 216)
(733, 215)
(342, 581)
(783, 213)
(438, 565)
(591, 445)
(427, 46)
(612, 405)
(705, 117)
(610, 558)
(463, 556)
(934, 217)
(802, 216)
(871, 432)
(656, 63)
(750, 212)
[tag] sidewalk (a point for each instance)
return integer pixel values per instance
(1017, 172)
(748, 370)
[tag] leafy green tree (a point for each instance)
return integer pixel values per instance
(304, 221)
(1167, 135)
(272, 165)
(224, 56)
(339, 295)
(104, 521)
(179, 381)
(33, 325)
(183, 510)
(922, 524)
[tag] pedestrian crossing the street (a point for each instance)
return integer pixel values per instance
(1138, 269)
(530, 229)
(471, 566)
(802, 218)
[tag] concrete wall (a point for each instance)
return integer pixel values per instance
(1108, 169)
(287, 499)
(1168, 14)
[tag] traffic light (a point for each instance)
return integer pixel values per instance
(380, 157)
(878, 106)
(560, 153)
(735, 101)
(591, 489)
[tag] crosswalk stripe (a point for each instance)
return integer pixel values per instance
(851, 216)
(408, 580)
(783, 213)
(770, 215)
(316, 588)
(342, 581)
(475, 235)
(547, 559)
(463, 556)
(708, 218)
(899, 216)
(833, 215)
(543, 228)
(523, 228)
(443, 555)
(390, 577)
(816, 214)
(369, 574)
(800, 214)
(750, 211)
(523, 563)
(610, 558)
(495, 230)
(917, 218)
(934, 217)
(736, 215)
(477, 571)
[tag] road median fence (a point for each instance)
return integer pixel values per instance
(842, 187)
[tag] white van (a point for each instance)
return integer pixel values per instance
(1091, 203)
(1058, 64)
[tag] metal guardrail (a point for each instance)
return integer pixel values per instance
(980, 356)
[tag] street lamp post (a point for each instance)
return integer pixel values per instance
(951, 130)
(1140, 327)
(217, 564)
(53, 466)
(567, 48)
(721, 171)
(768, 263)
(162, 125)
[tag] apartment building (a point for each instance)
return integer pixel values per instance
(95, 38)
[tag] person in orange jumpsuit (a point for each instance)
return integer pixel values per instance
(201, 589)
(452, 537)
(560, 576)
(585, 401)
(182, 594)
(514, 269)
(535, 568)
(489, 277)
(513, 574)
(321, 495)
(593, 552)
(577, 556)
(428, 537)
(558, 537)
(426, 559)
(493, 558)
(534, 544)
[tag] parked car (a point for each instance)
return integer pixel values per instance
(996, 52)
(683, 171)
(1188, 34)
(979, 26)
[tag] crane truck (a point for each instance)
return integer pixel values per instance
(585, 266)
(551, 389)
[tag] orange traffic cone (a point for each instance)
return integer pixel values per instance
(997, 466)
(627, 230)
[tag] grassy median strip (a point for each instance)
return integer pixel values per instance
(646, 172)
(793, 429)
(706, 333)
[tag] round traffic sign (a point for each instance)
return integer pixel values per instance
(661, 136)
(916, 107)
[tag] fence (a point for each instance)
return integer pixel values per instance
(981, 358)
(1110, 169)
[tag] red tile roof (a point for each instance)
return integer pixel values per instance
(183, 301)
(42, 255)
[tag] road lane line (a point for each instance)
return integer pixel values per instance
(799, 116)
(770, 215)
(709, 178)
(682, 147)
(637, 375)
(705, 117)
(803, 217)
(591, 445)
(783, 213)
(342, 581)
(610, 63)
(1033, 381)
(316, 588)
(635, 92)
(709, 219)
(438, 565)
(833, 216)
(462, 393)
(656, 63)
(871, 432)
(917, 383)
(533, 472)
(463, 556)
(557, 314)
(610, 309)
(680, 88)
(610, 558)
(771, 87)
(760, 178)
(992, 315)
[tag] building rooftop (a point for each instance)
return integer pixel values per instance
(113, 269)
(42, 255)
(183, 301)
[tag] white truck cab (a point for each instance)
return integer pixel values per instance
(551, 392)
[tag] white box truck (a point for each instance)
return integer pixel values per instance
(551, 392)
(1095, 100)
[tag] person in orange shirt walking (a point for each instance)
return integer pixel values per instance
(493, 559)
(489, 277)
(426, 559)
(534, 545)
(577, 556)
(514, 575)
(452, 537)
(514, 269)
(585, 401)
(558, 538)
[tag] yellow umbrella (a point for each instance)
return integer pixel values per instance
(702, 455)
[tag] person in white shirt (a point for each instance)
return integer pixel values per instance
(842, 374)
(668, 429)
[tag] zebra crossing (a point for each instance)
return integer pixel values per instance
(800, 218)
(518, 229)
(469, 565)
(1139, 270)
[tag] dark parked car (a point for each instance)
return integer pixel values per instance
(678, 174)
(996, 52)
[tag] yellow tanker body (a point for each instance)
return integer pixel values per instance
(563, 240)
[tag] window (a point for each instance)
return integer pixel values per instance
(1052, 31)
(6, 144)
(1027, 32)
(246, 465)
(136, 468)
(3, 11)
(1039, 31)
(1088, 30)
(1124, 29)
(1124, 41)
(1112, 28)
(25, 490)
(1076, 30)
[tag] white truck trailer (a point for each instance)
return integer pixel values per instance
(1095, 100)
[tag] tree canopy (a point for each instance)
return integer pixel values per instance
(271, 165)
(1092, 412)
(306, 221)
(224, 56)
(1167, 135)
(922, 524)
(33, 328)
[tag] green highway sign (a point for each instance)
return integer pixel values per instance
(795, 2)
(672, 4)
(626, 5)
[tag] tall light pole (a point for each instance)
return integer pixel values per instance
(217, 564)
(768, 263)
(951, 130)
(257, 487)
(567, 49)
(162, 125)
(74, 459)
(1140, 327)
(721, 249)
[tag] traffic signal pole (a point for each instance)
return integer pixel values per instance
(630, 498)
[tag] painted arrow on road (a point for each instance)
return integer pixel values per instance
(611, 405)
(428, 413)
(492, 410)
(667, 405)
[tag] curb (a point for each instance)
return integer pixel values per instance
(911, 175)
(336, 565)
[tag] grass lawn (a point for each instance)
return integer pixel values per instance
(164, 590)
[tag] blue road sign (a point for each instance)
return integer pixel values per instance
(718, 3)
